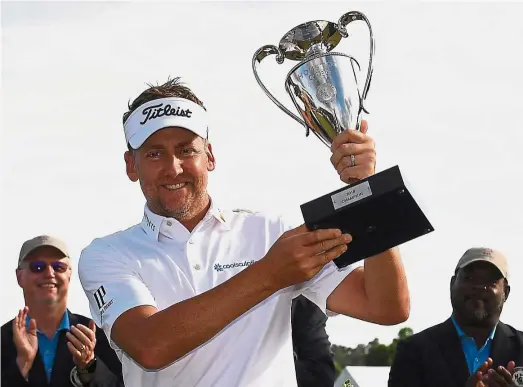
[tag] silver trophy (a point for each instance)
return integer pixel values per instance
(324, 84)
(379, 211)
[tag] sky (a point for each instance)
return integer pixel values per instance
(445, 106)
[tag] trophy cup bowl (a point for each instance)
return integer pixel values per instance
(379, 211)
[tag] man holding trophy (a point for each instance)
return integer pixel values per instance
(197, 295)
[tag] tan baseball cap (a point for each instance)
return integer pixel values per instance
(477, 254)
(40, 241)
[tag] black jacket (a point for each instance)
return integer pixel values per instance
(434, 357)
(108, 371)
(312, 349)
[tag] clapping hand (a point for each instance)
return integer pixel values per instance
(25, 340)
(82, 341)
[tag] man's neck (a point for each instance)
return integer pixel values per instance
(192, 220)
(48, 317)
(197, 216)
(479, 333)
(190, 224)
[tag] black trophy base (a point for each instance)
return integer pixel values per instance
(379, 212)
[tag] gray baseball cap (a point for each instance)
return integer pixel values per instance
(477, 254)
(40, 241)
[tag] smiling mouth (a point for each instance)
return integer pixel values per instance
(174, 187)
(48, 286)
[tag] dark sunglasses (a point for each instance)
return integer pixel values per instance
(40, 266)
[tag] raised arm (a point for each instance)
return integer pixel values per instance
(377, 292)
(155, 339)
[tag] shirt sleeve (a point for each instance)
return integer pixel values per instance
(111, 285)
(319, 288)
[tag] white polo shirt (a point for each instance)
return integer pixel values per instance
(159, 262)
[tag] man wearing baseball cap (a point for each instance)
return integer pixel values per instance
(46, 344)
(472, 348)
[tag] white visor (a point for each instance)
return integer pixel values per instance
(162, 113)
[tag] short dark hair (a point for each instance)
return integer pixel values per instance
(172, 88)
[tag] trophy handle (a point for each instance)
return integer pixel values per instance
(256, 59)
(341, 27)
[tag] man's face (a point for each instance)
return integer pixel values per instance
(44, 275)
(172, 166)
(478, 293)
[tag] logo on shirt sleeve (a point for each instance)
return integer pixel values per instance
(99, 297)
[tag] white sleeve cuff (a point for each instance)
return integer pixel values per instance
(319, 288)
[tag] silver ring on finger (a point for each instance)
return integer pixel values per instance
(82, 348)
(352, 160)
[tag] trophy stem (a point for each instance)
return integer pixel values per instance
(316, 49)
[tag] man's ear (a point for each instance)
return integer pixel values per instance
(507, 290)
(130, 166)
(211, 161)
(452, 281)
(19, 277)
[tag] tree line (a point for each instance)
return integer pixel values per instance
(372, 354)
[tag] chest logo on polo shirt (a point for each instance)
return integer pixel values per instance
(100, 301)
(220, 267)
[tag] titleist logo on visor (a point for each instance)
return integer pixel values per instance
(156, 111)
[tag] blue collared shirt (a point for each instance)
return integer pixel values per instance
(47, 347)
(475, 356)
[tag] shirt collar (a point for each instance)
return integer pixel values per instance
(65, 325)
(462, 334)
(154, 224)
